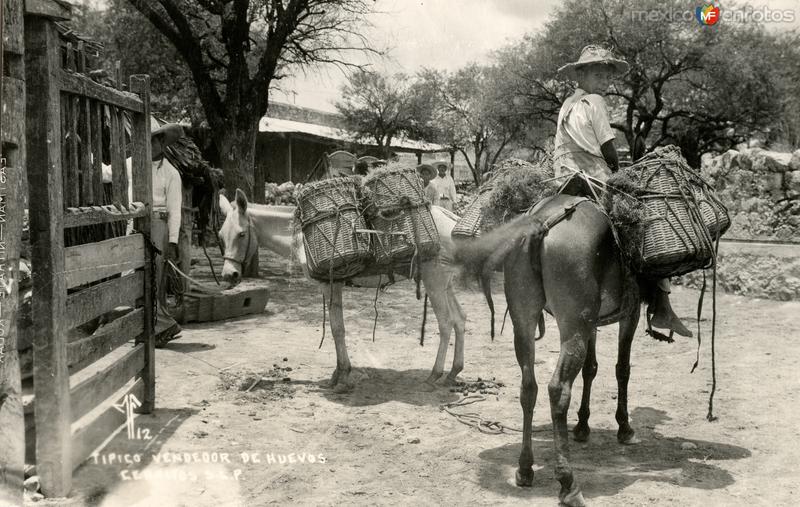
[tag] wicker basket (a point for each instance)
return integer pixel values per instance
(419, 235)
(326, 196)
(681, 216)
(330, 216)
(396, 207)
(471, 222)
(394, 187)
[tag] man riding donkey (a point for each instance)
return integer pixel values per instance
(584, 143)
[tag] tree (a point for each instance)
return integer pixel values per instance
(698, 86)
(235, 49)
(141, 49)
(476, 113)
(382, 108)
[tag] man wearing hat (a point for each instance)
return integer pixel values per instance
(428, 173)
(445, 186)
(584, 142)
(166, 216)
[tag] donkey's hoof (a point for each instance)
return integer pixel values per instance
(573, 497)
(450, 380)
(627, 437)
(432, 378)
(524, 478)
(581, 432)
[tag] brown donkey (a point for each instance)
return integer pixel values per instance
(562, 258)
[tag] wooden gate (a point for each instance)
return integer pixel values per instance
(77, 382)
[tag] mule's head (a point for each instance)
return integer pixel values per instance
(237, 237)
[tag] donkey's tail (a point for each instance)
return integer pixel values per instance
(482, 256)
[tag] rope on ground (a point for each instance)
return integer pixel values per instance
(474, 419)
(194, 284)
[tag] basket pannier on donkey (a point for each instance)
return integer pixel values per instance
(395, 207)
(667, 217)
(330, 216)
(515, 187)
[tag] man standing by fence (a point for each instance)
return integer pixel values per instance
(166, 222)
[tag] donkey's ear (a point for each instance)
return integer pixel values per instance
(241, 200)
(224, 204)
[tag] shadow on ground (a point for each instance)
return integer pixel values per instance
(604, 468)
(374, 386)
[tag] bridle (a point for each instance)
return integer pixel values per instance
(240, 262)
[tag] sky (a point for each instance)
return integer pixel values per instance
(445, 34)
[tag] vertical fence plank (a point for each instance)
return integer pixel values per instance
(73, 171)
(51, 377)
(142, 192)
(122, 155)
(84, 159)
(97, 150)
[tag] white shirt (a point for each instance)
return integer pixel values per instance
(167, 192)
(583, 127)
(167, 195)
(445, 188)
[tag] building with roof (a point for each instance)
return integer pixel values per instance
(293, 141)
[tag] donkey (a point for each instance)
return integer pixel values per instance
(248, 226)
(562, 258)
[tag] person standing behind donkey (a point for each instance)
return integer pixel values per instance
(445, 186)
(584, 142)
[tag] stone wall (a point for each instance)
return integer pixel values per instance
(761, 190)
(761, 276)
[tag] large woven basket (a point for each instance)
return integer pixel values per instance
(681, 216)
(330, 216)
(471, 221)
(394, 187)
(411, 231)
(396, 208)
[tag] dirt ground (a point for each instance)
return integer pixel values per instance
(290, 440)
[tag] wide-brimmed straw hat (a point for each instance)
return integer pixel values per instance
(591, 55)
(169, 132)
(441, 163)
(422, 169)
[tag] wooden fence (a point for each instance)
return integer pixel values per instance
(73, 124)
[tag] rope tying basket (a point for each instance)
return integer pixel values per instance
(329, 214)
(397, 210)
(667, 216)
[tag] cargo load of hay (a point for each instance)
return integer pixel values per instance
(667, 217)
(515, 186)
(330, 215)
(396, 208)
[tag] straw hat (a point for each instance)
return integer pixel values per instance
(590, 55)
(169, 132)
(441, 163)
(426, 168)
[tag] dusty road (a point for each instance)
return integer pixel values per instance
(290, 440)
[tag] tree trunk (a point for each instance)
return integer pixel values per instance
(237, 148)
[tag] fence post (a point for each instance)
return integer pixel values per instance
(142, 174)
(46, 188)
